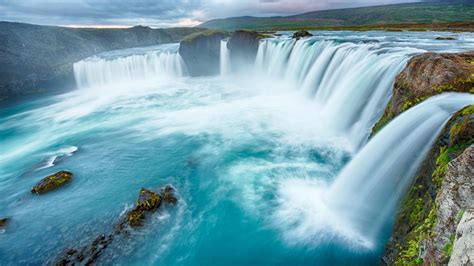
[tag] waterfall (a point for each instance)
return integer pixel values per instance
(367, 191)
(351, 82)
(225, 65)
(130, 65)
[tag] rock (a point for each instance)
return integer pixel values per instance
(88, 255)
(456, 194)
(201, 52)
(3, 223)
(426, 75)
(463, 249)
(168, 195)
(445, 38)
(148, 200)
(243, 47)
(52, 182)
(301, 34)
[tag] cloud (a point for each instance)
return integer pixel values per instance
(158, 13)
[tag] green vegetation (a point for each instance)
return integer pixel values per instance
(422, 16)
(417, 216)
(206, 33)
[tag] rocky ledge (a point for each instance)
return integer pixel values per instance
(440, 200)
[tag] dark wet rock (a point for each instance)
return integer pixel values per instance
(201, 52)
(88, 255)
(52, 182)
(243, 47)
(147, 202)
(445, 38)
(168, 195)
(301, 34)
(3, 223)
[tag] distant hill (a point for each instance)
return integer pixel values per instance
(387, 14)
(36, 58)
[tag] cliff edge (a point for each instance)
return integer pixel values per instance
(441, 198)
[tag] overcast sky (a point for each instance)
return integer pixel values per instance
(159, 13)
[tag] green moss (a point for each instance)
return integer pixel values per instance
(448, 248)
(206, 33)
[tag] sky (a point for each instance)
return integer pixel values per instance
(159, 13)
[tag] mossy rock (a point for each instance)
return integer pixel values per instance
(148, 200)
(52, 182)
(168, 195)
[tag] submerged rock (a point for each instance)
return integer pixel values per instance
(3, 223)
(147, 202)
(168, 195)
(52, 182)
(301, 34)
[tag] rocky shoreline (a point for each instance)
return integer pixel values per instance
(441, 199)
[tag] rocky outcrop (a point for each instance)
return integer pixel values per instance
(425, 225)
(52, 182)
(301, 34)
(39, 58)
(455, 196)
(148, 202)
(201, 52)
(243, 47)
(463, 249)
(426, 75)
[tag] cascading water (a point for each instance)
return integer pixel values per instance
(351, 82)
(361, 200)
(225, 65)
(130, 64)
(256, 158)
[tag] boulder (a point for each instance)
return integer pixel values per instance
(147, 201)
(52, 182)
(301, 34)
(167, 193)
(201, 52)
